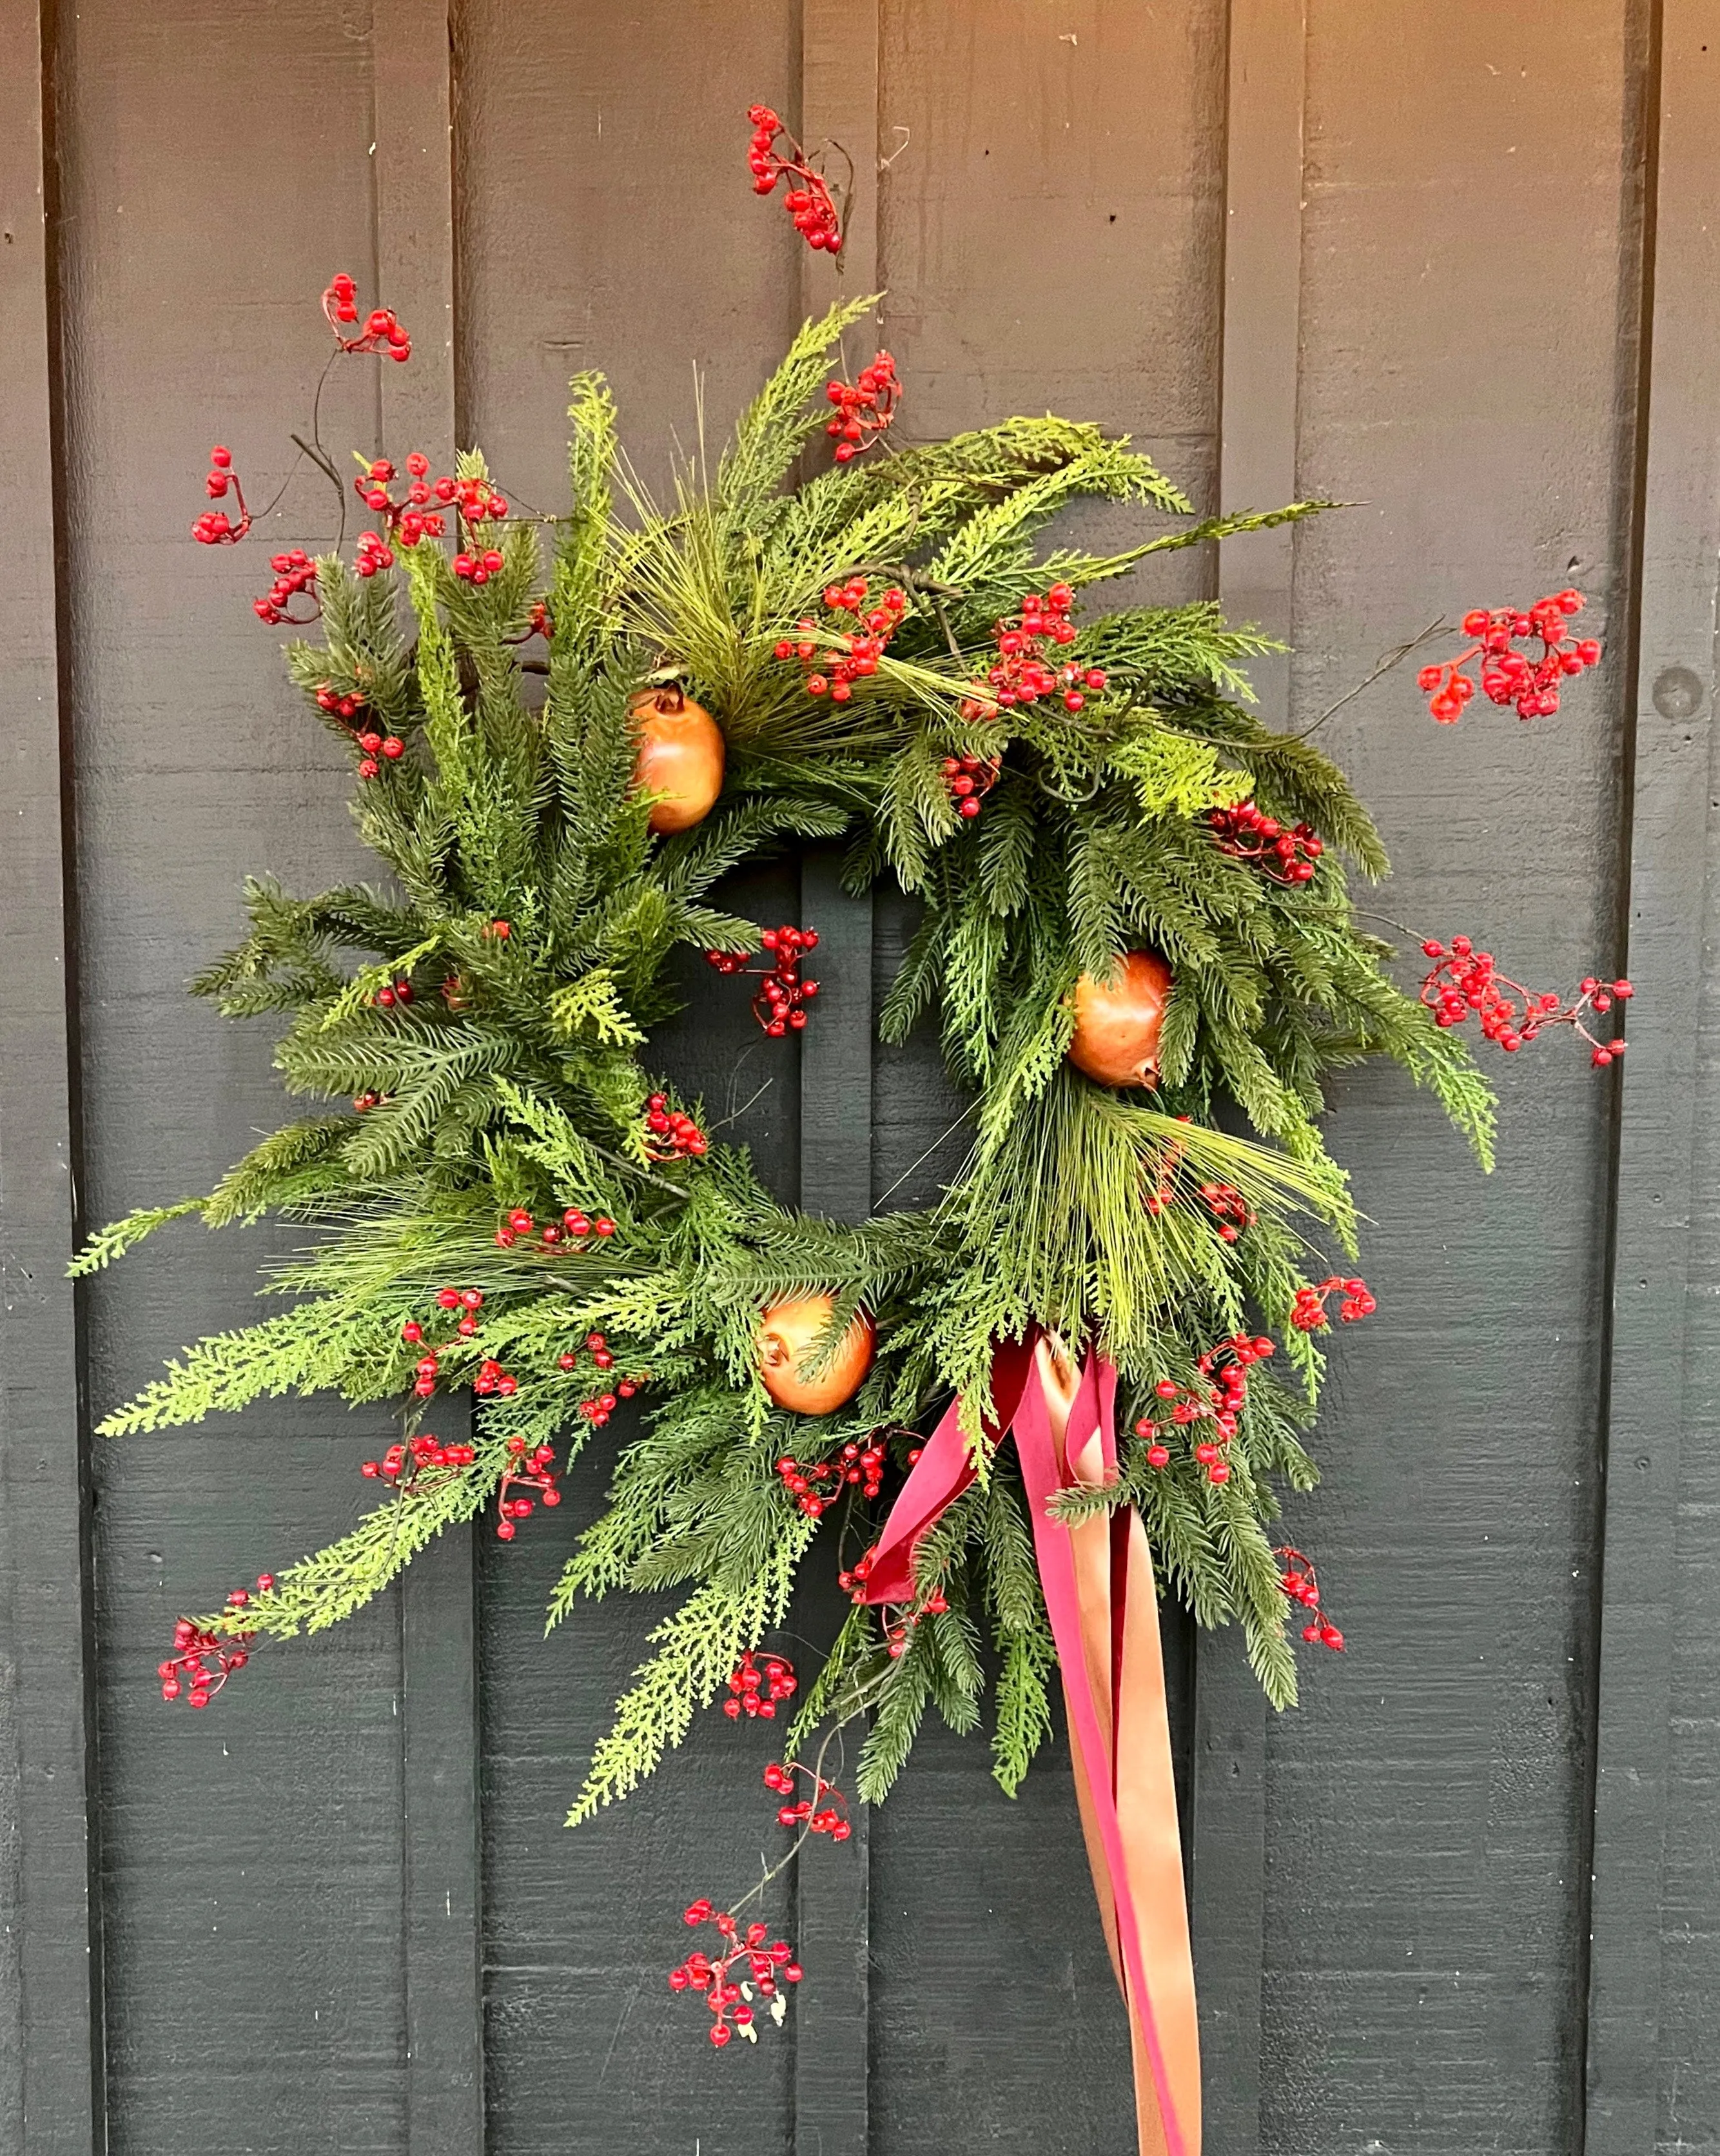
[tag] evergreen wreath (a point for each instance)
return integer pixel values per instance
(507, 1200)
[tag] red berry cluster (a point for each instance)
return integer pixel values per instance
(1507, 676)
(1289, 855)
(1220, 1399)
(573, 1230)
(778, 1005)
(752, 1954)
(754, 1691)
(294, 573)
(202, 1661)
(372, 554)
(865, 410)
(388, 998)
(215, 527)
(407, 1465)
(532, 1468)
(668, 1134)
(1022, 673)
(598, 1409)
(412, 518)
(808, 201)
(467, 1302)
(967, 779)
(1463, 979)
(1308, 1313)
(364, 1102)
(1229, 1208)
(380, 332)
(900, 1623)
(371, 745)
(815, 1485)
(1302, 1584)
(811, 1812)
(851, 649)
(493, 1379)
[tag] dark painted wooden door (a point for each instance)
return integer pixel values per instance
(1454, 265)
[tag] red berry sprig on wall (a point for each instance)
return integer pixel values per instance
(1219, 1401)
(1302, 1584)
(1288, 853)
(1024, 672)
(813, 1813)
(808, 200)
(755, 1691)
(864, 409)
(816, 1485)
(836, 654)
(1308, 1312)
(202, 1661)
(1462, 980)
(382, 332)
(413, 518)
(749, 1961)
(294, 577)
(778, 1005)
(215, 527)
(529, 1468)
(1507, 676)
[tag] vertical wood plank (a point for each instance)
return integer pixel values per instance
(440, 1718)
(833, 1885)
(1263, 179)
(51, 2049)
(838, 104)
(1263, 184)
(1678, 610)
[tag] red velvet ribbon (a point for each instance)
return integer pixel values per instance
(1097, 1578)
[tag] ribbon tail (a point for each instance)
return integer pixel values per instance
(1098, 1577)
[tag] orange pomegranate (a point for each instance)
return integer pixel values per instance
(1117, 1022)
(787, 1331)
(681, 756)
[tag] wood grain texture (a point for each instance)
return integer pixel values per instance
(1257, 468)
(51, 2095)
(440, 1731)
(1050, 230)
(1427, 1830)
(252, 1854)
(833, 1884)
(604, 221)
(1082, 209)
(1632, 2084)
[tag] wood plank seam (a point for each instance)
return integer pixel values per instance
(52, 1963)
(839, 90)
(1257, 467)
(1674, 608)
(440, 1727)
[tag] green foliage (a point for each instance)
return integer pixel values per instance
(473, 1035)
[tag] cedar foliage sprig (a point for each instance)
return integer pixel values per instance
(530, 914)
